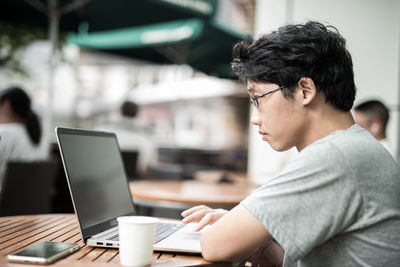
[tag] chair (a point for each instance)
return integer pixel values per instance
(27, 187)
(130, 160)
(62, 202)
(166, 171)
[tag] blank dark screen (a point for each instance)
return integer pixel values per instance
(97, 178)
(46, 249)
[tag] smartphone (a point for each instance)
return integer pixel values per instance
(44, 252)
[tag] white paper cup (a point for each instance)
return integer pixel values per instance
(136, 239)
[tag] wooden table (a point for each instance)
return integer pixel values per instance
(187, 193)
(17, 232)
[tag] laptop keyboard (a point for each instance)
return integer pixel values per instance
(164, 229)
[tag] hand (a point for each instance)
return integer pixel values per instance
(202, 214)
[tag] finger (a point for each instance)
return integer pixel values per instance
(210, 218)
(207, 219)
(191, 210)
(221, 211)
(187, 212)
(196, 216)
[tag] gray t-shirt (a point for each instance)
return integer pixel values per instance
(336, 204)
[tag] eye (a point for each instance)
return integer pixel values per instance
(253, 101)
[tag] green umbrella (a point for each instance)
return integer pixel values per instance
(102, 15)
(95, 15)
(206, 46)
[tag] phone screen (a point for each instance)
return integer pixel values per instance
(45, 251)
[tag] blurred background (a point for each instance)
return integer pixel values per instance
(80, 60)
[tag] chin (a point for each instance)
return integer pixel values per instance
(280, 147)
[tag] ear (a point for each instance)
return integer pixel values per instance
(376, 127)
(307, 89)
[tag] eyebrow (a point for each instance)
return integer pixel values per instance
(250, 90)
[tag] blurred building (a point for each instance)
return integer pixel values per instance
(182, 107)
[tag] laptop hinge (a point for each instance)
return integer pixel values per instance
(106, 232)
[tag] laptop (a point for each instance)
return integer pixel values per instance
(100, 193)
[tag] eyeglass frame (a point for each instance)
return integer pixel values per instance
(254, 99)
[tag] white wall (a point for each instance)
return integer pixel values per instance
(372, 31)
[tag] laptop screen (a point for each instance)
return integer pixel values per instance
(96, 176)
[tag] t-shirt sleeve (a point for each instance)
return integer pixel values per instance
(5, 148)
(308, 202)
(4, 156)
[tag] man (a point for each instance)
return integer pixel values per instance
(133, 136)
(373, 116)
(338, 202)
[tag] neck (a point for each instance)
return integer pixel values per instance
(380, 136)
(10, 119)
(324, 122)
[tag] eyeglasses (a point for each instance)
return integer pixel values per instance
(254, 99)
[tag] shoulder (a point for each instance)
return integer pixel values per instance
(14, 141)
(11, 131)
(352, 144)
(388, 147)
(336, 159)
(10, 127)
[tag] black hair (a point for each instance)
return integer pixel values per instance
(21, 107)
(373, 109)
(308, 50)
(129, 109)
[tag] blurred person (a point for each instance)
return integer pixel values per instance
(20, 129)
(132, 135)
(326, 207)
(373, 116)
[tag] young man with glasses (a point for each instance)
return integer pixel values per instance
(338, 202)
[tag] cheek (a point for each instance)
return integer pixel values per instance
(281, 115)
(269, 122)
(287, 122)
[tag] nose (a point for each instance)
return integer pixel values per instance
(255, 117)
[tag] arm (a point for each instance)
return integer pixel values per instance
(268, 255)
(236, 235)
